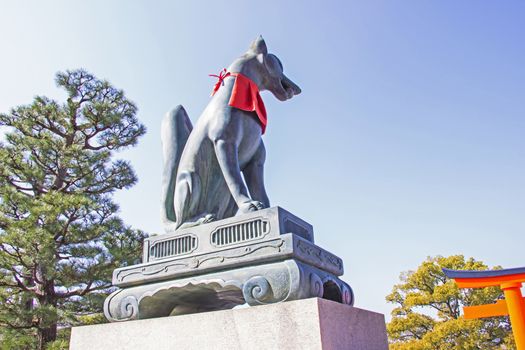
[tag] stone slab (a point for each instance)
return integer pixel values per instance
(303, 324)
(284, 246)
(236, 231)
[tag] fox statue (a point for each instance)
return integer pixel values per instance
(215, 169)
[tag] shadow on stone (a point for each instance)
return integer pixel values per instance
(332, 292)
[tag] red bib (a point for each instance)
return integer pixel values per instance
(245, 96)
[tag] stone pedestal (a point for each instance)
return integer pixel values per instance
(301, 324)
(267, 256)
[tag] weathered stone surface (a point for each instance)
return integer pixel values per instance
(304, 324)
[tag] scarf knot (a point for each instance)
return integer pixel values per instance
(220, 82)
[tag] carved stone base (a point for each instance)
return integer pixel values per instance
(248, 259)
(254, 285)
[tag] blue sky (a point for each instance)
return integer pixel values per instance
(407, 141)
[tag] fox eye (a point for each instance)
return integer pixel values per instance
(280, 64)
(274, 65)
(275, 58)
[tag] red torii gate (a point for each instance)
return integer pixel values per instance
(510, 281)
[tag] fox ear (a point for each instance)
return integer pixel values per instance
(259, 46)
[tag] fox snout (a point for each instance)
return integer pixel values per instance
(290, 87)
(283, 88)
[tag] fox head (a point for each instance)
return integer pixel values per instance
(266, 70)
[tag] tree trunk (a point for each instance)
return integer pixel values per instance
(47, 330)
(46, 335)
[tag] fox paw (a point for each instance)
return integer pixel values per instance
(250, 206)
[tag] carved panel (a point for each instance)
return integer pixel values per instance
(322, 255)
(171, 267)
(180, 245)
(240, 232)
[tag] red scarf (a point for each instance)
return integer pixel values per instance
(245, 95)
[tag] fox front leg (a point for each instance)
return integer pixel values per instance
(254, 176)
(227, 152)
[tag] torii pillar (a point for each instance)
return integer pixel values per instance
(510, 281)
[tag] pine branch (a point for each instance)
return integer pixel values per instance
(84, 291)
(15, 326)
(22, 286)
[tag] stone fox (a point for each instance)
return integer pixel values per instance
(215, 170)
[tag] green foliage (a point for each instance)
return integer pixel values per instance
(428, 308)
(60, 237)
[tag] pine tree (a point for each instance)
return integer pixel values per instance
(60, 236)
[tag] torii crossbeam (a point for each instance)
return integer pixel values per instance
(510, 281)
